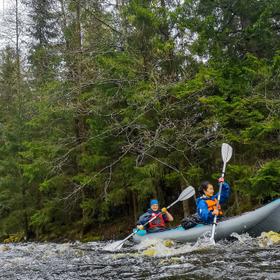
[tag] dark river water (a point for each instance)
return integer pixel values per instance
(242, 258)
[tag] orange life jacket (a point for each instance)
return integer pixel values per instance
(212, 205)
(158, 221)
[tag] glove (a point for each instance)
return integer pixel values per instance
(140, 227)
(221, 180)
(164, 210)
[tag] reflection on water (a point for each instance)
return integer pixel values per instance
(242, 258)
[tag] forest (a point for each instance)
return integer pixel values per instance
(107, 104)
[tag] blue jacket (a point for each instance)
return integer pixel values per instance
(202, 207)
(147, 216)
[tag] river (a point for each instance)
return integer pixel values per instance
(241, 258)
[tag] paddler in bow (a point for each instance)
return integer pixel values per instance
(207, 202)
(159, 223)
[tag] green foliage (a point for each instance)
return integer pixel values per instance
(115, 108)
(265, 183)
(39, 219)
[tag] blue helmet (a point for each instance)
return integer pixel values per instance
(153, 201)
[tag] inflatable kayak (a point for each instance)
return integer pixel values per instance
(266, 218)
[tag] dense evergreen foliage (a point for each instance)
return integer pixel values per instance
(110, 105)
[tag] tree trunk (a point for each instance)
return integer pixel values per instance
(186, 205)
(135, 207)
(19, 103)
(79, 119)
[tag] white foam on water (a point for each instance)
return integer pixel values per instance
(177, 266)
(242, 238)
(146, 243)
(168, 259)
(165, 248)
(204, 241)
(161, 248)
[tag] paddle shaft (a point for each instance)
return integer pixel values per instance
(218, 202)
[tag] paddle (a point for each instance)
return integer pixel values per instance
(185, 194)
(226, 156)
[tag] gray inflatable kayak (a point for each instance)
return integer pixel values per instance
(266, 218)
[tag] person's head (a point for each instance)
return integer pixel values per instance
(154, 204)
(206, 188)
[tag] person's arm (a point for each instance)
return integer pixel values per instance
(203, 212)
(144, 219)
(168, 217)
(225, 193)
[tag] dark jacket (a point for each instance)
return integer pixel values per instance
(202, 207)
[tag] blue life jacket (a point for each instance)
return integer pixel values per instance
(202, 206)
